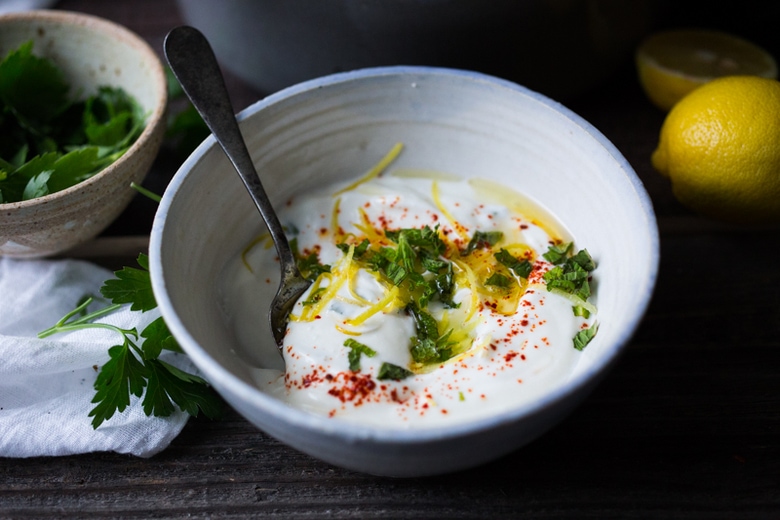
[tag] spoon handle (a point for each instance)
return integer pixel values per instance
(195, 66)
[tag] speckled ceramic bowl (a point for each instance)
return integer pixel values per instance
(333, 129)
(91, 52)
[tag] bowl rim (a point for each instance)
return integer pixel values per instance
(355, 432)
(154, 119)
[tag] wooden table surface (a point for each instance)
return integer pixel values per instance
(687, 425)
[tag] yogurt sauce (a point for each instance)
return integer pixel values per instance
(509, 349)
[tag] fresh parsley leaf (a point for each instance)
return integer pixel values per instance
(40, 124)
(157, 338)
(73, 167)
(391, 371)
(356, 349)
(36, 186)
(32, 88)
(169, 385)
(122, 375)
(133, 286)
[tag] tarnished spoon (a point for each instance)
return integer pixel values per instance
(195, 66)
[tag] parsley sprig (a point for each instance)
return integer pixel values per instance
(134, 367)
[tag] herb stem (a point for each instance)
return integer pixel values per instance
(143, 191)
(57, 329)
(83, 322)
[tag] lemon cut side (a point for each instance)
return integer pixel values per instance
(673, 63)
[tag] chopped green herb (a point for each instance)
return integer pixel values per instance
(570, 277)
(428, 346)
(356, 349)
(315, 296)
(390, 371)
(581, 311)
(482, 240)
(557, 254)
(359, 250)
(498, 280)
(416, 253)
(584, 260)
(583, 337)
(309, 266)
(521, 268)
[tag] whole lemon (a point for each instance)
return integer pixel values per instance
(720, 148)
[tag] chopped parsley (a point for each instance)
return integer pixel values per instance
(483, 240)
(428, 346)
(571, 273)
(583, 337)
(570, 277)
(498, 280)
(521, 268)
(356, 349)
(391, 371)
(415, 263)
(309, 265)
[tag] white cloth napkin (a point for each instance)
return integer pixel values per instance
(46, 385)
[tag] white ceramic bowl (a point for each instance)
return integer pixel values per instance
(91, 52)
(336, 127)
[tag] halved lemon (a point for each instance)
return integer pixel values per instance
(671, 64)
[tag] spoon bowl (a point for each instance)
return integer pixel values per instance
(193, 63)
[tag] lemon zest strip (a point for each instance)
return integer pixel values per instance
(462, 231)
(386, 300)
(259, 238)
(348, 332)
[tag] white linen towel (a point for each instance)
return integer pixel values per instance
(46, 385)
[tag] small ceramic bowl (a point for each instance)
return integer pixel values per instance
(91, 52)
(333, 129)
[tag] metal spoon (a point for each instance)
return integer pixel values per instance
(195, 66)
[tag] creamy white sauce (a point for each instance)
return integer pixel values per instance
(513, 359)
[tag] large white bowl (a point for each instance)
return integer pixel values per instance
(333, 128)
